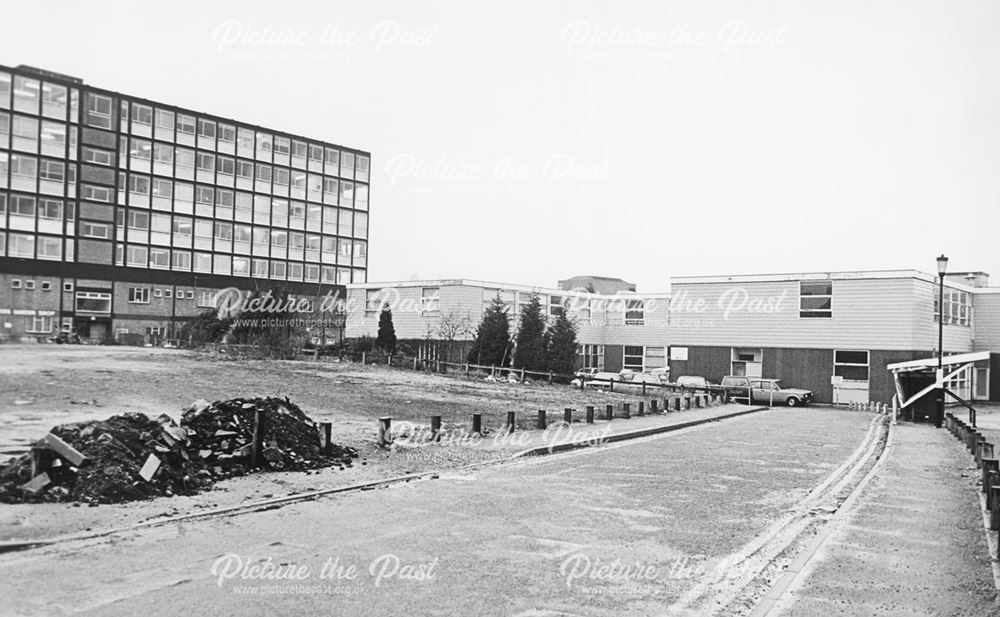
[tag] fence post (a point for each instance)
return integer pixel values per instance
(258, 438)
(326, 429)
(541, 418)
(384, 425)
(522, 374)
(568, 415)
(677, 403)
(364, 355)
(590, 414)
(510, 422)
(642, 408)
(644, 388)
(609, 411)
(477, 424)
(435, 428)
(652, 406)
(626, 413)
(550, 378)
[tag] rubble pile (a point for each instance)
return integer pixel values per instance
(131, 456)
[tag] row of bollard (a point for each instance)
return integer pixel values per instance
(673, 403)
(985, 457)
(869, 406)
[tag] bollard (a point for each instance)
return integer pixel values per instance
(590, 414)
(325, 435)
(435, 428)
(608, 412)
(384, 425)
(541, 418)
(258, 438)
(677, 403)
(625, 410)
(510, 422)
(568, 415)
(995, 512)
(652, 406)
(642, 408)
(990, 465)
(687, 402)
(978, 454)
(477, 424)
(992, 482)
(987, 450)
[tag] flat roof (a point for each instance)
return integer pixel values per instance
(503, 286)
(823, 276)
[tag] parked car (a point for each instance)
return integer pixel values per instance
(599, 379)
(691, 381)
(635, 377)
(586, 372)
(765, 390)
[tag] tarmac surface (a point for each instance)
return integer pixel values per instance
(913, 545)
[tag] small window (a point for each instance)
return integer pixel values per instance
(15, 283)
(168, 293)
(430, 299)
(29, 284)
(138, 295)
(46, 286)
(816, 299)
(68, 287)
(189, 295)
(157, 293)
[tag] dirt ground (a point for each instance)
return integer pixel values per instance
(45, 385)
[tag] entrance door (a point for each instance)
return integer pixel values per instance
(747, 362)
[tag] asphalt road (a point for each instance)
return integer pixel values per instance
(622, 529)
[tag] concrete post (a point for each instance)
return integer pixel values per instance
(609, 412)
(435, 428)
(477, 424)
(541, 418)
(510, 421)
(384, 425)
(590, 414)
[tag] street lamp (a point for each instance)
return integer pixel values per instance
(942, 267)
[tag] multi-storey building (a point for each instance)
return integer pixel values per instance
(120, 215)
(617, 331)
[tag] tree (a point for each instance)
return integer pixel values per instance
(386, 339)
(531, 352)
(454, 325)
(492, 336)
(562, 345)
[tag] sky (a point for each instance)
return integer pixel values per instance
(527, 142)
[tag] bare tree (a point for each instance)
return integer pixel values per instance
(455, 325)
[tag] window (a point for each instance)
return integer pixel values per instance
(282, 146)
(93, 302)
(68, 287)
(95, 230)
(206, 162)
(21, 205)
(957, 308)
(223, 231)
(25, 132)
(15, 283)
(46, 286)
(656, 357)
(138, 256)
(165, 123)
(97, 157)
(21, 245)
(206, 128)
(95, 193)
(180, 260)
(632, 357)
(29, 284)
(592, 356)
(98, 111)
(159, 258)
(206, 299)
(50, 209)
(138, 220)
(281, 176)
(634, 312)
(142, 114)
(851, 365)
(185, 124)
(40, 324)
(430, 299)
(747, 362)
(138, 295)
(227, 166)
(53, 171)
(54, 101)
(374, 299)
(816, 299)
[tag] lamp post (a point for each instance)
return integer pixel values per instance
(942, 267)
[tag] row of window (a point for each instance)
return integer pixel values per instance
(30, 285)
(140, 295)
(32, 96)
(143, 120)
(957, 308)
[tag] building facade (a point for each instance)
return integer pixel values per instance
(615, 332)
(833, 333)
(121, 216)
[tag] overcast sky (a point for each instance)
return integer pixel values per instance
(533, 141)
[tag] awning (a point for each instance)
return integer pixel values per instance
(952, 366)
(963, 358)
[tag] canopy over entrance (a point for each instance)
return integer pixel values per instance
(952, 366)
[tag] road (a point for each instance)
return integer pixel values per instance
(655, 526)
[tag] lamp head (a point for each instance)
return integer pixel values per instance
(942, 265)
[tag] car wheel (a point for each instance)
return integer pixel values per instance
(792, 401)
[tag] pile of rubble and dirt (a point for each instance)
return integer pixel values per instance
(131, 456)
